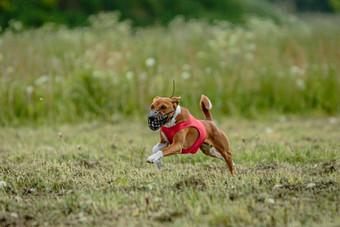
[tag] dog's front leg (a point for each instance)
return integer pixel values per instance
(174, 148)
(155, 149)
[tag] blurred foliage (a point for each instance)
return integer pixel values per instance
(142, 12)
(335, 5)
(109, 69)
(314, 5)
(327, 6)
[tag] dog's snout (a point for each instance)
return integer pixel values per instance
(152, 117)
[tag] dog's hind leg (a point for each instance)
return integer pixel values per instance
(226, 154)
(221, 146)
(209, 150)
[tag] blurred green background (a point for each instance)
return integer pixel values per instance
(71, 61)
(148, 12)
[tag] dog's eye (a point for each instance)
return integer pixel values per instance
(163, 107)
(151, 107)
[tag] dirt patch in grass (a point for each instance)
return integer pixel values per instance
(327, 167)
(316, 187)
(331, 166)
(192, 181)
(13, 219)
(167, 216)
(328, 190)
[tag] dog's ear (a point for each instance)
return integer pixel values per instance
(157, 97)
(175, 100)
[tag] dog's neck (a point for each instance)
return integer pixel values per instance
(173, 120)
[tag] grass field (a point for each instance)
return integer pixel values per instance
(96, 173)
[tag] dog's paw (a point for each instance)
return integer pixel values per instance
(149, 160)
(155, 157)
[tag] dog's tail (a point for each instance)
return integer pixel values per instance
(206, 106)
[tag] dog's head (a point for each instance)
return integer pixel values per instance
(162, 111)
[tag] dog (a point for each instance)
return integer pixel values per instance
(182, 133)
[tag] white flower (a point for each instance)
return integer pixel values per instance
(82, 218)
(79, 146)
(301, 84)
(14, 215)
(48, 148)
(29, 90)
(310, 185)
(271, 201)
(17, 25)
(185, 75)
(296, 71)
(32, 190)
(276, 186)
(283, 118)
(41, 80)
(332, 120)
(129, 75)
(150, 62)
(3, 184)
(269, 130)
(41, 98)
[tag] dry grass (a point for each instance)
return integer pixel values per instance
(96, 174)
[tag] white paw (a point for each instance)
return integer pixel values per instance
(155, 157)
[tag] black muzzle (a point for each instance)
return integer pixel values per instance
(156, 119)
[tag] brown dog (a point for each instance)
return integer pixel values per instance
(189, 134)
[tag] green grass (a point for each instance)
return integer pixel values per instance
(96, 173)
(54, 74)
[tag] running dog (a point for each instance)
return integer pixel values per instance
(181, 133)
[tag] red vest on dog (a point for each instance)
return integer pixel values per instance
(191, 122)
